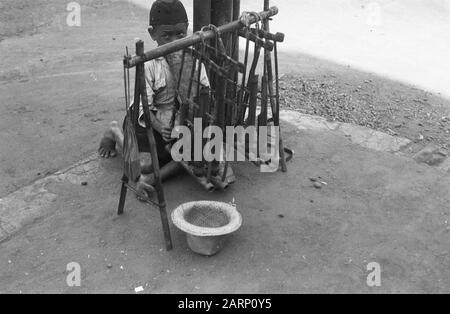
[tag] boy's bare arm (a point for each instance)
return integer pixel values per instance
(157, 125)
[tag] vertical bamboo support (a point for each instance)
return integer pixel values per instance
(267, 85)
(242, 105)
(140, 72)
(276, 114)
(123, 195)
(203, 102)
(274, 102)
(262, 121)
(220, 101)
(253, 87)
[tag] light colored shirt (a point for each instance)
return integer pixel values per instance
(161, 90)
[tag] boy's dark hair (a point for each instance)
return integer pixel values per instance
(167, 13)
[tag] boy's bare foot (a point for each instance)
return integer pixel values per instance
(146, 163)
(107, 147)
(144, 188)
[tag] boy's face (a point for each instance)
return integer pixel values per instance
(164, 34)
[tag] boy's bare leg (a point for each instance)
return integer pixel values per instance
(112, 139)
(147, 181)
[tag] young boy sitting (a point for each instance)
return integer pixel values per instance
(168, 22)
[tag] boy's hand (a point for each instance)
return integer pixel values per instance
(166, 134)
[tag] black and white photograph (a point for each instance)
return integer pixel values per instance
(224, 153)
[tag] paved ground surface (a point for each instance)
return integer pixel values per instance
(376, 206)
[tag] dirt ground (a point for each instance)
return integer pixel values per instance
(63, 85)
(60, 89)
(376, 207)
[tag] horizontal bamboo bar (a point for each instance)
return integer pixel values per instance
(252, 37)
(195, 38)
(278, 37)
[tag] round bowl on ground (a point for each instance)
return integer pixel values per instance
(207, 224)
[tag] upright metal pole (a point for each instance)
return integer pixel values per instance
(221, 11)
(217, 12)
(202, 14)
(236, 9)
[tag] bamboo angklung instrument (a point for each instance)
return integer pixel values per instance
(225, 104)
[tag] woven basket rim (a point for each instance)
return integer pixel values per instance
(235, 219)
